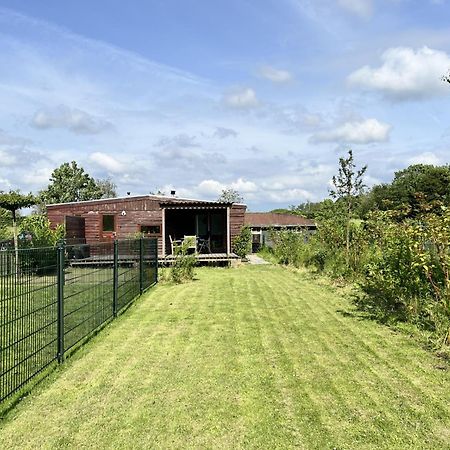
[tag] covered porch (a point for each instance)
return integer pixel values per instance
(206, 225)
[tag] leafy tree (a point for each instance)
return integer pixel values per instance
(231, 196)
(348, 186)
(417, 189)
(12, 202)
(5, 222)
(108, 187)
(70, 183)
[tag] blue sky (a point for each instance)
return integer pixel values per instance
(198, 96)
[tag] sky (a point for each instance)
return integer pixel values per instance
(196, 96)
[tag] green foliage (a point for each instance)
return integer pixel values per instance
(38, 232)
(242, 245)
(70, 183)
(230, 196)
(107, 187)
(14, 200)
(418, 189)
(5, 223)
(182, 269)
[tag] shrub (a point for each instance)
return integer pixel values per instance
(36, 233)
(183, 267)
(243, 243)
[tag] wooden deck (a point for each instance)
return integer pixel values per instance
(212, 258)
(108, 260)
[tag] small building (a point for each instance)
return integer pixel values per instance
(167, 218)
(261, 223)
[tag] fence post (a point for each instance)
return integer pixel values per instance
(115, 276)
(156, 260)
(60, 261)
(141, 265)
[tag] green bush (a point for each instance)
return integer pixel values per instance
(182, 269)
(36, 233)
(242, 245)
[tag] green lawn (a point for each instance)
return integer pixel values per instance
(252, 357)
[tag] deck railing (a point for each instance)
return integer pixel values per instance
(51, 299)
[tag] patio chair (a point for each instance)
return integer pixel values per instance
(190, 244)
(175, 244)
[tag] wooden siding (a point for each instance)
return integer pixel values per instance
(138, 211)
(237, 216)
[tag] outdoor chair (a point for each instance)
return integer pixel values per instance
(190, 244)
(175, 244)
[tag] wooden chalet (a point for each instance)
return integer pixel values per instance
(168, 218)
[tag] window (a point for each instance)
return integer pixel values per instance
(151, 229)
(109, 223)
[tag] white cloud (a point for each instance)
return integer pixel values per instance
(357, 132)
(425, 158)
(38, 177)
(75, 120)
(276, 75)
(106, 162)
(241, 98)
(406, 74)
(361, 8)
(7, 158)
(210, 187)
(244, 186)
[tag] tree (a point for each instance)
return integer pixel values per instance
(5, 223)
(70, 183)
(348, 186)
(108, 187)
(417, 189)
(13, 201)
(230, 196)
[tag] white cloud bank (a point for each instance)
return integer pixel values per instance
(74, 120)
(405, 74)
(358, 132)
(106, 162)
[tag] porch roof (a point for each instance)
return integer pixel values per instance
(194, 204)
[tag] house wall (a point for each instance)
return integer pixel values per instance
(143, 211)
(138, 212)
(237, 215)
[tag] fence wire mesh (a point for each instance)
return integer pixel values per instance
(51, 299)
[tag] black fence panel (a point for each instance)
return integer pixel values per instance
(28, 315)
(53, 298)
(88, 290)
(150, 262)
(129, 272)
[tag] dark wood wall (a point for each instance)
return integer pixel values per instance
(137, 212)
(141, 211)
(237, 215)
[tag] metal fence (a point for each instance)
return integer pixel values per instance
(53, 298)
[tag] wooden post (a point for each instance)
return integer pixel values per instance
(228, 232)
(163, 233)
